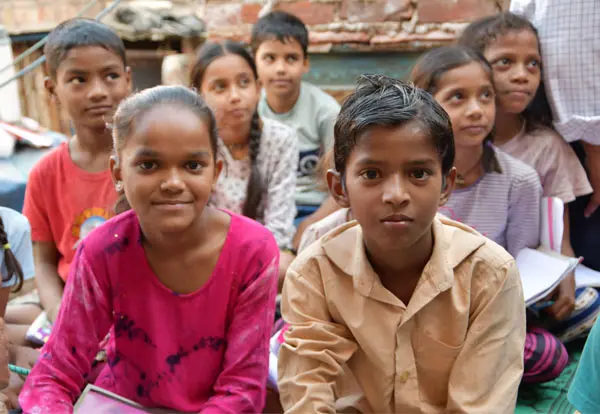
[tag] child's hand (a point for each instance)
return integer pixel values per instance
(9, 396)
(564, 299)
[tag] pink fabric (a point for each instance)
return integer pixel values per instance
(561, 173)
(205, 351)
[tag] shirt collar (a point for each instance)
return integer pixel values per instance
(453, 242)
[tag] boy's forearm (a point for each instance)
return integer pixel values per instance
(50, 287)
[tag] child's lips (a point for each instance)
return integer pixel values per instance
(281, 82)
(99, 110)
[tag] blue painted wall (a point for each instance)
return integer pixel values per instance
(340, 70)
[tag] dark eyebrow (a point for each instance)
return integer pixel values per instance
(146, 152)
(199, 154)
(368, 161)
(75, 71)
(426, 161)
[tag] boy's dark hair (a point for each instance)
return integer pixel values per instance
(205, 56)
(136, 106)
(383, 101)
(281, 26)
(481, 33)
(433, 65)
(13, 267)
(80, 32)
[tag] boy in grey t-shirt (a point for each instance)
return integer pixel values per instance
(280, 43)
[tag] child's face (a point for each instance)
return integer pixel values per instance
(281, 66)
(393, 186)
(231, 90)
(90, 83)
(515, 58)
(167, 169)
(467, 95)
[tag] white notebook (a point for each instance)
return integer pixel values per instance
(541, 272)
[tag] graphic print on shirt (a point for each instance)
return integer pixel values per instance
(145, 383)
(87, 221)
(308, 162)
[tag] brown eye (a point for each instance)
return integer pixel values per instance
(370, 174)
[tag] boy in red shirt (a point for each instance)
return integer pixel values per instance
(70, 191)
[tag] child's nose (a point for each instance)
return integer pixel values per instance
(172, 182)
(280, 65)
(394, 191)
(98, 90)
(520, 73)
(474, 109)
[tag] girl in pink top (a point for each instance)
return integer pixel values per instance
(187, 291)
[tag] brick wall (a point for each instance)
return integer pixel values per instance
(35, 16)
(363, 25)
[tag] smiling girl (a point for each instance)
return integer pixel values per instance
(169, 260)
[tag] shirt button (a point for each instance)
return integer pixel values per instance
(404, 377)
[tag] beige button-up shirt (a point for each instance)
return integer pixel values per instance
(456, 347)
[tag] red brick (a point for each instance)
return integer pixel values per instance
(249, 13)
(219, 16)
(374, 11)
(439, 11)
(310, 12)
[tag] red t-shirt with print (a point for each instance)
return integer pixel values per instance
(64, 203)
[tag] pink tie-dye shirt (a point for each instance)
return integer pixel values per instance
(201, 352)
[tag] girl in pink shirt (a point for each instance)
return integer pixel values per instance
(186, 291)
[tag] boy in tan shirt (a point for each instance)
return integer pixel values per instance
(399, 311)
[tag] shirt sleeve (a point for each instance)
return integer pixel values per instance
(241, 385)
(523, 226)
(488, 370)
(84, 319)
(327, 122)
(583, 393)
(564, 176)
(34, 208)
(23, 251)
(315, 349)
(280, 208)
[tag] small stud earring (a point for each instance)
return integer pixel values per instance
(119, 186)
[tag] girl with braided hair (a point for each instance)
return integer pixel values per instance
(260, 155)
(16, 265)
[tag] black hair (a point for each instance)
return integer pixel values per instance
(481, 33)
(13, 267)
(207, 54)
(136, 106)
(434, 64)
(383, 101)
(80, 32)
(281, 26)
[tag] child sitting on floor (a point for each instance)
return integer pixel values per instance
(280, 45)
(426, 313)
(171, 258)
(260, 155)
(70, 191)
(524, 130)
